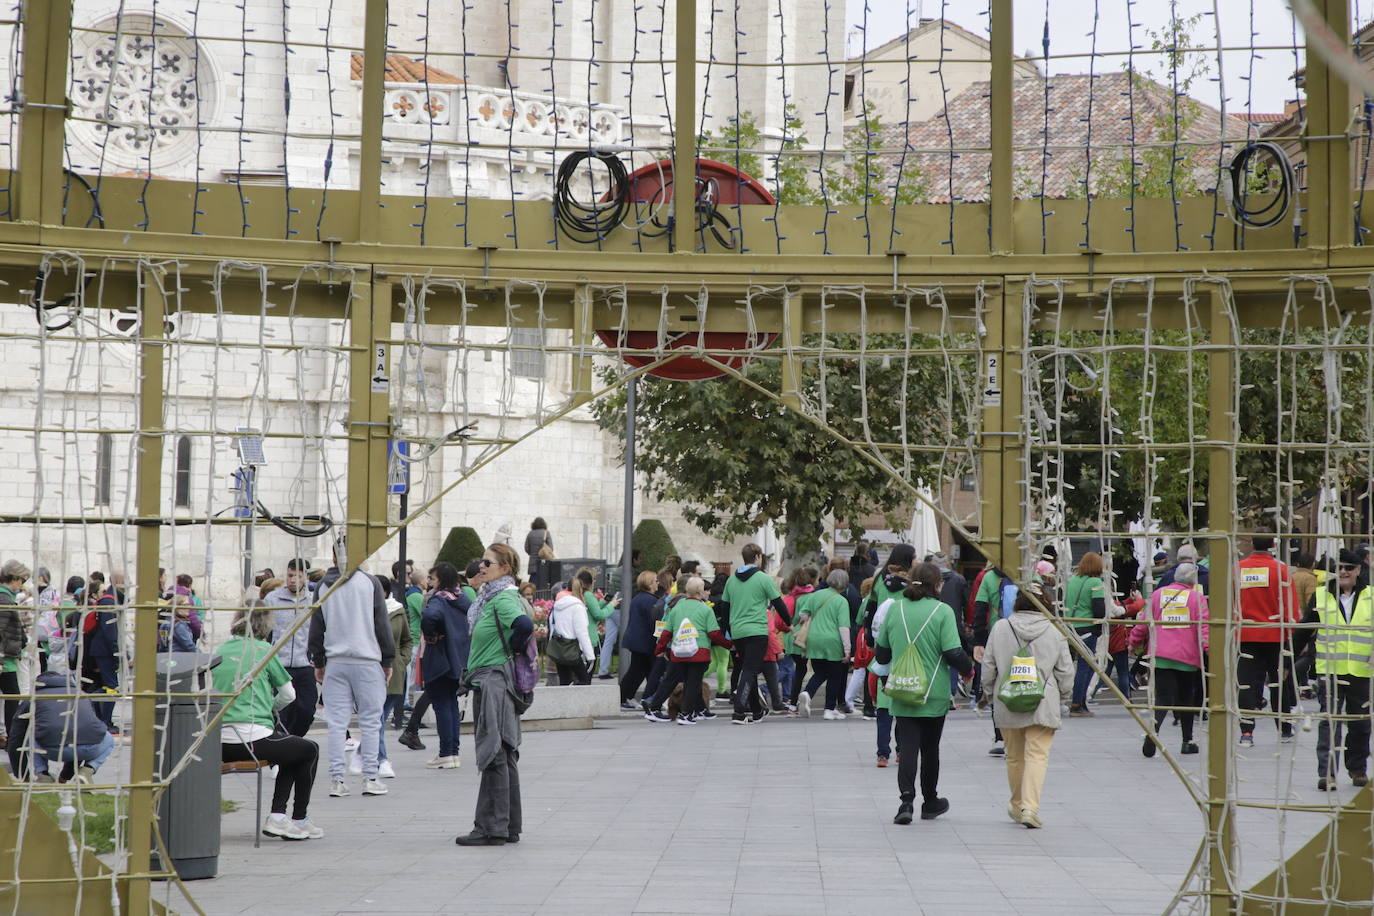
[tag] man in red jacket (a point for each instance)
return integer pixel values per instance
(1267, 608)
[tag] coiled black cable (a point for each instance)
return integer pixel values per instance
(37, 304)
(297, 531)
(1272, 213)
(707, 213)
(587, 223)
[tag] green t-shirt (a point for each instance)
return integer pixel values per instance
(1078, 599)
(415, 605)
(990, 590)
(239, 656)
(487, 646)
(901, 627)
(748, 599)
(470, 592)
(596, 611)
(702, 617)
(829, 612)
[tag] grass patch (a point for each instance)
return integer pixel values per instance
(94, 826)
(229, 805)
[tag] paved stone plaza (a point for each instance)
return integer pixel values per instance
(787, 817)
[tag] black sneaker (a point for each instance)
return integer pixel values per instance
(931, 810)
(1148, 748)
(1189, 747)
(656, 715)
(411, 740)
(1358, 778)
(706, 714)
(739, 719)
(761, 715)
(905, 814)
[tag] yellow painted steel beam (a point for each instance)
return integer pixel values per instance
(685, 130)
(1000, 114)
(47, 26)
(370, 146)
(151, 385)
(369, 421)
(583, 335)
(1222, 429)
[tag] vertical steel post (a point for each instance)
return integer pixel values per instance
(1002, 236)
(1221, 526)
(627, 583)
(685, 131)
(47, 30)
(582, 338)
(792, 318)
(370, 146)
(369, 422)
(151, 384)
(991, 504)
(1011, 441)
(1330, 206)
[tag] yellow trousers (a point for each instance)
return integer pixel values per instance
(1028, 757)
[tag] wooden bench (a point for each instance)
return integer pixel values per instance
(250, 766)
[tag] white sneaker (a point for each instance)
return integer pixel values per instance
(385, 770)
(833, 715)
(444, 763)
(279, 825)
(374, 787)
(350, 744)
(309, 829)
(338, 789)
(804, 705)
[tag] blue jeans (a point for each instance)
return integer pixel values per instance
(91, 755)
(608, 643)
(443, 696)
(391, 707)
(1084, 675)
(787, 669)
(884, 732)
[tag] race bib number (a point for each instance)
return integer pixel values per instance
(1173, 610)
(1021, 672)
(1254, 578)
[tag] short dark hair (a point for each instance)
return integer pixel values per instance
(386, 583)
(586, 576)
(539, 523)
(299, 564)
(183, 579)
(1262, 542)
(750, 553)
(473, 569)
(1304, 560)
(75, 584)
(397, 569)
(446, 574)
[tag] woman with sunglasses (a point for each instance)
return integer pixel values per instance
(500, 629)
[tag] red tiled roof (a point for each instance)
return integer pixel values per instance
(1256, 117)
(402, 69)
(1117, 102)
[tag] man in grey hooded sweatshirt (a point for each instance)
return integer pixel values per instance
(290, 602)
(352, 651)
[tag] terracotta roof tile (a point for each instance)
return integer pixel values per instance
(1117, 102)
(402, 69)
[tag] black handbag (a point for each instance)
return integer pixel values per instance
(562, 650)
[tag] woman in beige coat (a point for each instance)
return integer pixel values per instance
(1028, 735)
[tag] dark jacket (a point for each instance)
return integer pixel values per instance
(954, 592)
(444, 623)
(1203, 575)
(11, 626)
(639, 630)
(54, 722)
(102, 640)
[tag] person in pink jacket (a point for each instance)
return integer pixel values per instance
(1176, 631)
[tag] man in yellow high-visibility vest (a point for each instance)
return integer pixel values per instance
(1343, 613)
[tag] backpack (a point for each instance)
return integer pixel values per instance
(907, 682)
(1022, 688)
(525, 673)
(685, 639)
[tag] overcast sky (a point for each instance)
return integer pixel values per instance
(1071, 32)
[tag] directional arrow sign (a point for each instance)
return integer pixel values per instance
(381, 382)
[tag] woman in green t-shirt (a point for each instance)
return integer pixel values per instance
(250, 731)
(500, 629)
(829, 643)
(918, 618)
(1085, 602)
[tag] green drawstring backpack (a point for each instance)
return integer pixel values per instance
(907, 681)
(1022, 687)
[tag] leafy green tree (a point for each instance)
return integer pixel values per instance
(736, 458)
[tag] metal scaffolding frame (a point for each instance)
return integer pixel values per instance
(370, 243)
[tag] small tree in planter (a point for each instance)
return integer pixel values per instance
(461, 547)
(653, 543)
